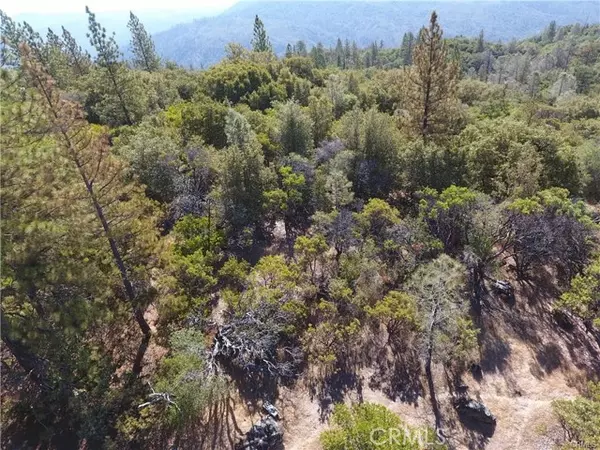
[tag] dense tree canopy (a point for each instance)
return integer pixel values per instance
(173, 239)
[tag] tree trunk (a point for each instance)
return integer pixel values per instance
(430, 384)
(477, 280)
(31, 363)
(120, 95)
(117, 258)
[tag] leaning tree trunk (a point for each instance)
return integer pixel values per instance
(428, 373)
(32, 364)
(70, 127)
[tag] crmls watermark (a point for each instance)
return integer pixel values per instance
(423, 437)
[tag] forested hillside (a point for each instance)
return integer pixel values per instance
(115, 21)
(202, 42)
(295, 251)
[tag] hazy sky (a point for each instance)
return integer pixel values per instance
(13, 7)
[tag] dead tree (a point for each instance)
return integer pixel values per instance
(159, 397)
(255, 343)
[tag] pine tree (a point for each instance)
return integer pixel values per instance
(339, 54)
(295, 129)
(406, 49)
(301, 48)
(430, 83)
(11, 36)
(550, 32)
(243, 177)
(289, 51)
(347, 53)
(374, 54)
(480, 42)
(317, 53)
(320, 110)
(355, 56)
(260, 41)
(142, 46)
(447, 335)
(57, 60)
(119, 211)
(486, 66)
(108, 59)
(338, 189)
(53, 40)
(20, 122)
(79, 59)
(36, 44)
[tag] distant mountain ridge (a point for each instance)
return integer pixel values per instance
(114, 21)
(202, 42)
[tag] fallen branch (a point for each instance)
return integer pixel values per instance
(156, 397)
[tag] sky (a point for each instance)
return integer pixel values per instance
(14, 7)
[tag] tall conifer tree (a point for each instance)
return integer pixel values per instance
(144, 53)
(108, 58)
(431, 83)
(406, 49)
(260, 41)
(10, 37)
(79, 59)
(115, 210)
(480, 42)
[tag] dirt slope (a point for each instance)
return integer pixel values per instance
(527, 361)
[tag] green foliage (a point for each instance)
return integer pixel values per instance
(378, 162)
(144, 54)
(448, 334)
(69, 255)
(398, 312)
(119, 97)
(273, 276)
(320, 110)
(11, 37)
(294, 130)
(243, 176)
(260, 41)
(551, 228)
(290, 201)
(373, 137)
(555, 201)
(310, 254)
(152, 154)
(185, 376)
(583, 297)
(371, 426)
(376, 217)
(430, 85)
(338, 189)
(274, 283)
(590, 156)
(196, 252)
(329, 343)
(429, 165)
(240, 82)
(79, 60)
(196, 234)
(580, 418)
(460, 217)
(234, 272)
(204, 118)
(509, 158)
